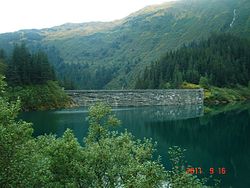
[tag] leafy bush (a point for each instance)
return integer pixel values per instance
(40, 97)
(217, 95)
(204, 82)
(107, 159)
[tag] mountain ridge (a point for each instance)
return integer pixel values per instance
(126, 46)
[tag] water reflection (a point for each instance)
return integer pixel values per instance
(220, 139)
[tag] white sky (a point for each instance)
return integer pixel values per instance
(30, 14)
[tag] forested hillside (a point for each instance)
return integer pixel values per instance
(32, 80)
(110, 55)
(26, 69)
(222, 60)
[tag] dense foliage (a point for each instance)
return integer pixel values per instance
(80, 76)
(123, 48)
(215, 95)
(40, 97)
(222, 60)
(25, 68)
(107, 159)
(31, 79)
(3, 65)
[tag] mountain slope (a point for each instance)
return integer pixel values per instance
(221, 60)
(98, 55)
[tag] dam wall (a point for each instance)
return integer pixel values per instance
(147, 97)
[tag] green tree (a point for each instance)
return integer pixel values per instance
(2, 54)
(223, 57)
(177, 78)
(26, 68)
(177, 176)
(107, 159)
(3, 65)
(21, 165)
(119, 159)
(204, 82)
(41, 70)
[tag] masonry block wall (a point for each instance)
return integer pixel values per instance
(138, 97)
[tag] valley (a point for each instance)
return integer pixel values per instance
(111, 55)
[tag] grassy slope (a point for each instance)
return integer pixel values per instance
(41, 97)
(226, 95)
(216, 96)
(142, 37)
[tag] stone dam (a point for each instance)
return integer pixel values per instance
(149, 97)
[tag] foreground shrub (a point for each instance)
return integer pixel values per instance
(106, 159)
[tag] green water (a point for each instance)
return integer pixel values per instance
(218, 140)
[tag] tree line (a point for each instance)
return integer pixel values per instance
(76, 75)
(106, 159)
(26, 68)
(222, 60)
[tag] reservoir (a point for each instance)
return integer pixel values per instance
(216, 140)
